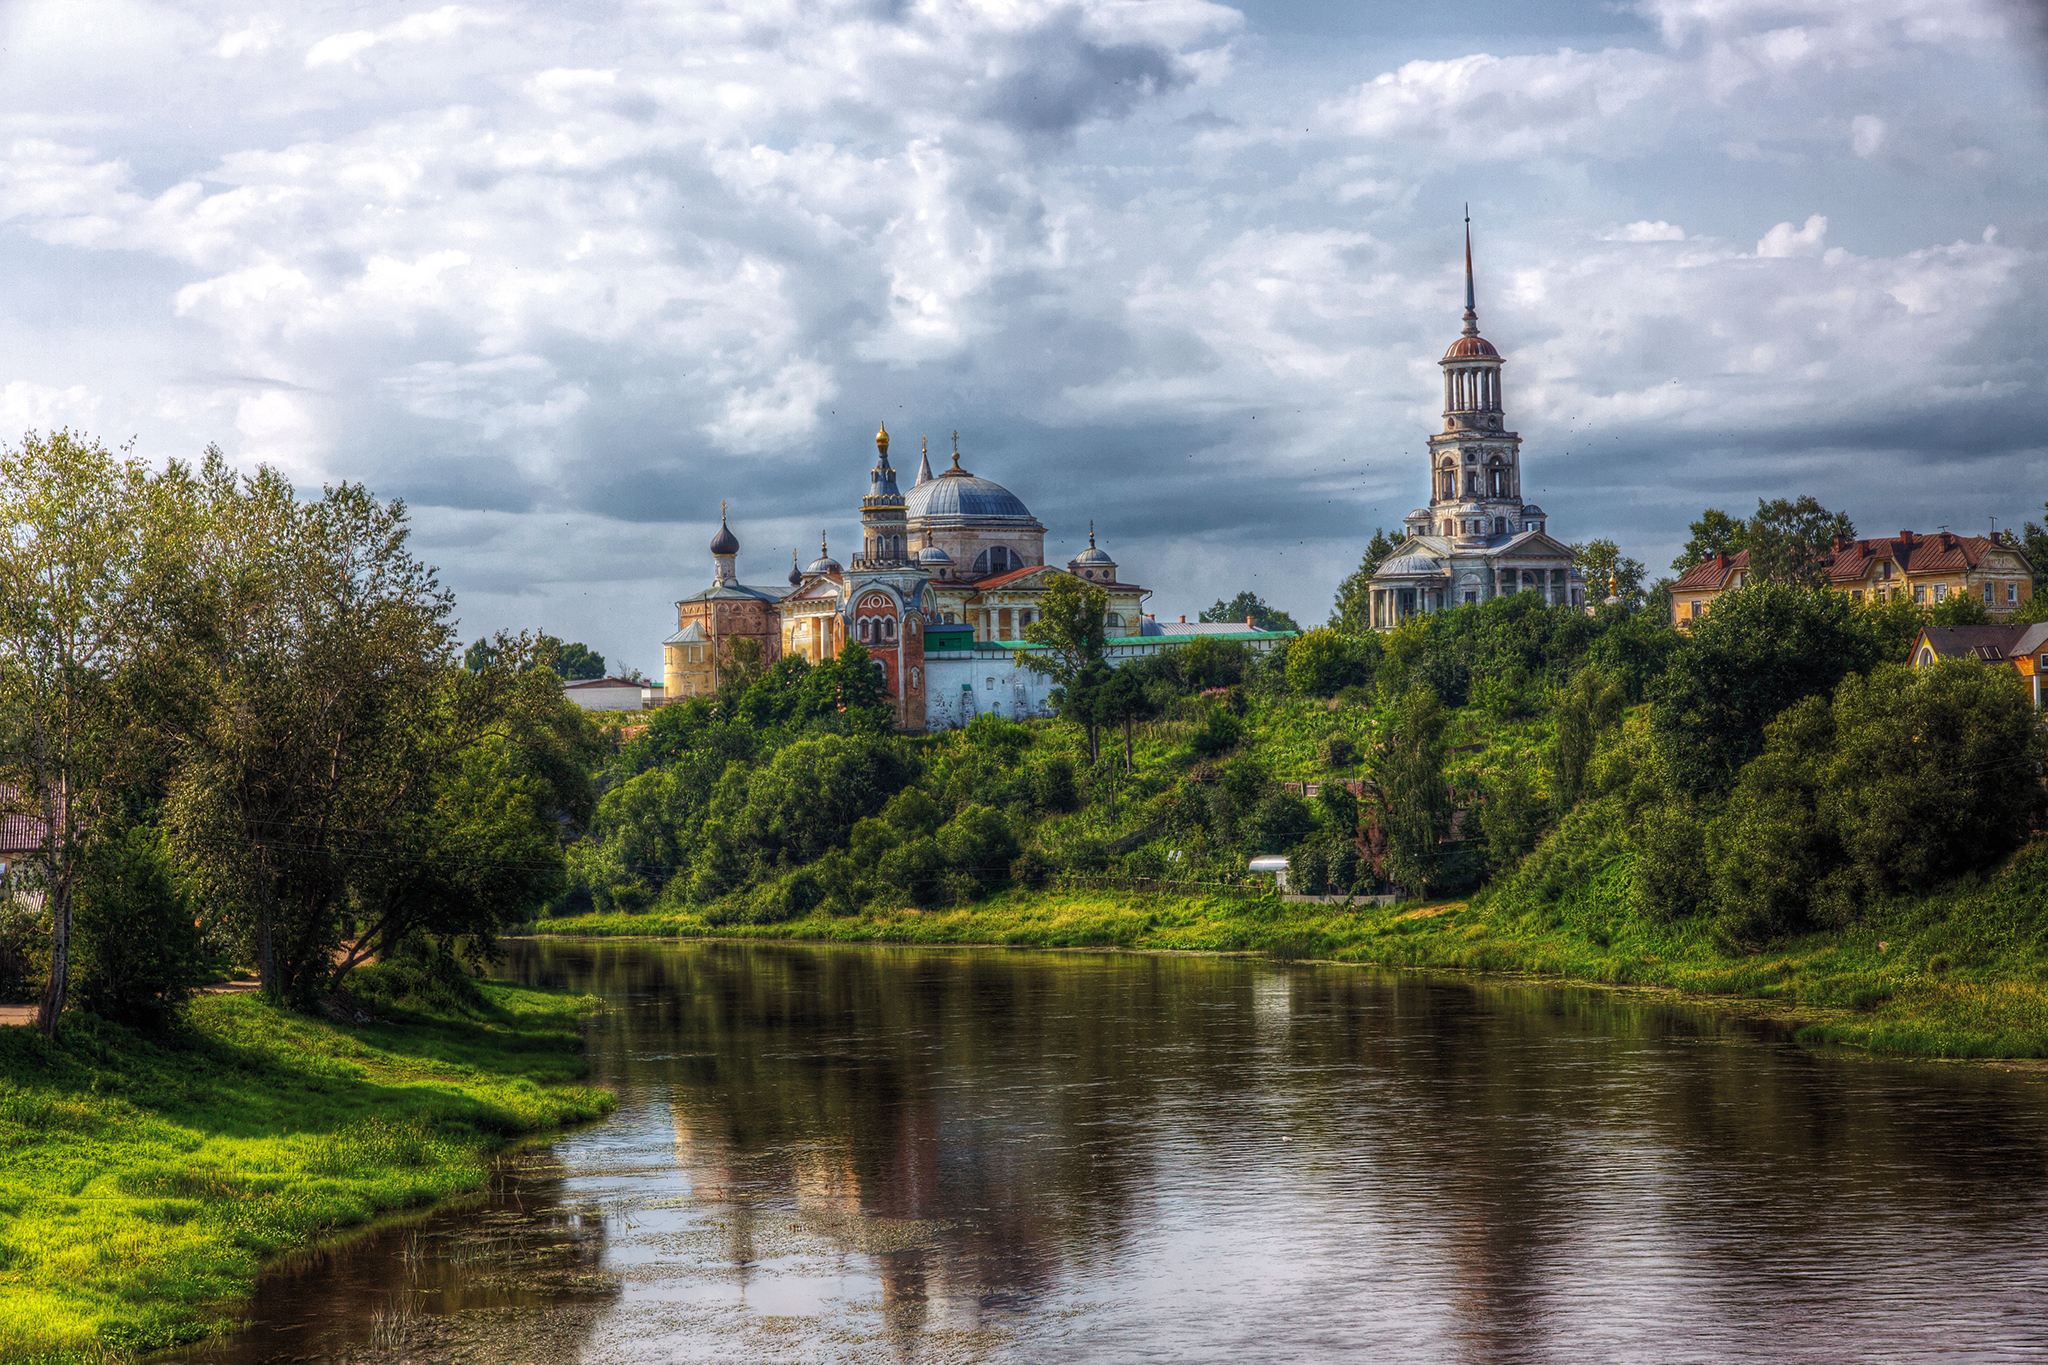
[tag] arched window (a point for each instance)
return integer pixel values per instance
(996, 559)
(916, 678)
(865, 625)
(1112, 619)
(888, 627)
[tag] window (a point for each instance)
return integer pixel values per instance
(989, 685)
(2012, 592)
(1886, 571)
(1112, 619)
(1941, 592)
(1500, 526)
(1926, 656)
(888, 628)
(861, 630)
(1920, 593)
(1987, 594)
(1856, 596)
(916, 678)
(997, 559)
(1695, 609)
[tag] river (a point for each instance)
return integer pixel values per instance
(853, 1154)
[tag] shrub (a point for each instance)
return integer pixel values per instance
(1280, 822)
(1053, 788)
(1031, 869)
(138, 953)
(1308, 870)
(1337, 751)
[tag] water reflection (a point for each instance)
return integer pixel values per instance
(853, 1154)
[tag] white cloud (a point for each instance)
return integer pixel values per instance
(1786, 240)
(444, 22)
(27, 406)
(1643, 231)
(1866, 135)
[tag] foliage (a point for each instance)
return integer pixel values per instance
(1352, 611)
(1714, 533)
(1409, 788)
(2033, 539)
(1590, 703)
(1249, 606)
(1069, 626)
(139, 950)
(1609, 572)
(1323, 662)
(1794, 542)
(571, 663)
(1759, 651)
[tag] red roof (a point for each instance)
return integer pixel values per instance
(998, 580)
(1855, 560)
(19, 832)
(1471, 348)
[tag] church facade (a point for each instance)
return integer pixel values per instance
(950, 571)
(1478, 538)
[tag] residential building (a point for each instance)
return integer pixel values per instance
(613, 694)
(1927, 570)
(2022, 648)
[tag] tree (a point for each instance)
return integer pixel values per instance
(138, 949)
(1587, 705)
(1080, 701)
(1758, 652)
(1248, 606)
(479, 656)
(321, 712)
(1794, 542)
(1352, 611)
(1122, 700)
(1714, 533)
(1409, 790)
(87, 546)
(1322, 662)
(1609, 571)
(2034, 540)
(1069, 627)
(572, 663)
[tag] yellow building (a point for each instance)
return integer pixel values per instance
(2023, 649)
(1992, 571)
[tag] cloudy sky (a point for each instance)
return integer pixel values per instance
(565, 276)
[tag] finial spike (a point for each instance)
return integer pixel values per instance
(721, 509)
(1471, 308)
(1091, 533)
(882, 440)
(956, 448)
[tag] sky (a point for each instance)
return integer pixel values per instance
(565, 277)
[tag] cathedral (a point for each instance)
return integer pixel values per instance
(1477, 538)
(944, 571)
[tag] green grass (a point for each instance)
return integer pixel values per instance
(1963, 973)
(144, 1182)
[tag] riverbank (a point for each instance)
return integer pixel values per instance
(146, 1181)
(1960, 974)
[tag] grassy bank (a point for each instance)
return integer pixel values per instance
(1960, 974)
(144, 1182)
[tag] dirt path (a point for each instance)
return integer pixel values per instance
(17, 1014)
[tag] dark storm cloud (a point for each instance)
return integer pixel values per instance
(566, 279)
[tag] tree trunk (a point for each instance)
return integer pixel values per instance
(54, 990)
(266, 950)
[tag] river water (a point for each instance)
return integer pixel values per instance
(854, 1154)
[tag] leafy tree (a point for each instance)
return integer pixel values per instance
(480, 655)
(1759, 651)
(1794, 542)
(1352, 611)
(1958, 609)
(323, 709)
(740, 666)
(1410, 791)
(1512, 818)
(1322, 662)
(572, 663)
(1279, 822)
(1714, 533)
(1609, 572)
(2034, 540)
(1588, 705)
(1122, 700)
(1069, 627)
(1081, 701)
(139, 952)
(89, 547)
(1249, 606)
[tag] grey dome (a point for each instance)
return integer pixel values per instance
(823, 564)
(1531, 510)
(932, 554)
(725, 542)
(1091, 555)
(958, 494)
(1410, 566)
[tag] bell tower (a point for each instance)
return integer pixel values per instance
(882, 521)
(1475, 463)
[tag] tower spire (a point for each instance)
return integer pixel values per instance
(1471, 308)
(924, 462)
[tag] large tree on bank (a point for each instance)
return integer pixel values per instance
(88, 544)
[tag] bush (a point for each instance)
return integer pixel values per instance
(1280, 822)
(1337, 751)
(1308, 871)
(1031, 869)
(422, 974)
(1053, 788)
(137, 950)
(1220, 733)
(1322, 662)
